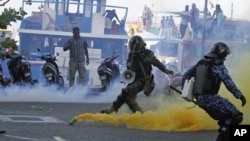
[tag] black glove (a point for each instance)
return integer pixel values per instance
(243, 100)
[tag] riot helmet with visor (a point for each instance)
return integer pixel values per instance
(136, 44)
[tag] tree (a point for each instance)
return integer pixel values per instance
(8, 16)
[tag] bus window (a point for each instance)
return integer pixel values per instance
(74, 7)
(97, 6)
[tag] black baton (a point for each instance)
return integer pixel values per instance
(178, 91)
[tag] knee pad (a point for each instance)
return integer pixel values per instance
(237, 119)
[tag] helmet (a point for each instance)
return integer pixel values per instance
(136, 44)
(219, 50)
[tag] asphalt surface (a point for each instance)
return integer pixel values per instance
(40, 121)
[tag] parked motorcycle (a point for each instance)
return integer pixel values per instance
(19, 69)
(51, 71)
(3, 81)
(108, 71)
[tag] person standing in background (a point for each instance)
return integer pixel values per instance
(144, 17)
(115, 27)
(219, 19)
(77, 47)
(110, 15)
(194, 20)
(185, 15)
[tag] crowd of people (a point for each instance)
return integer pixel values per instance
(168, 27)
(213, 22)
(190, 18)
(147, 16)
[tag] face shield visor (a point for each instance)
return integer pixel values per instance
(137, 46)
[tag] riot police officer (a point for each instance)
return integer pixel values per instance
(209, 72)
(140, 61)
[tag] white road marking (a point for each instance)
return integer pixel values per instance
(26, 138)
(57, 138)
(30, 119)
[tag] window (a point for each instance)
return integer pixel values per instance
(75, 6)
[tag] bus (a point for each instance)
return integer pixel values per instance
(50, 25)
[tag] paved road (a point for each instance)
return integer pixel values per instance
(39, 121)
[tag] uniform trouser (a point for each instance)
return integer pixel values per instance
(76, 66)
(221, 110)
(128, 96)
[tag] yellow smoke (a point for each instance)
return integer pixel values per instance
(171, 117)
(239, 70)
(172, 113)
(174, 120)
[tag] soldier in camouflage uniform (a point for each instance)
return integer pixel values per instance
(209, 73)
(140, 61)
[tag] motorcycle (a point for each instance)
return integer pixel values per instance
(19, 69)
(3, 81)
(108, 71)
(51, 71)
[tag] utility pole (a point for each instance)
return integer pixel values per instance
(232, 7)
(204, 27)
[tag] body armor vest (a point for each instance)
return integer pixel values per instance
(205, 81)
(140, 57)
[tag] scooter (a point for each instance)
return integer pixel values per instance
(19, 69)
(108, 71)
(51, 71)
(3, 81)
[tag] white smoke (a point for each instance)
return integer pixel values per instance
(40, 93)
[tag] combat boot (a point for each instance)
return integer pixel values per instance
(108, 110)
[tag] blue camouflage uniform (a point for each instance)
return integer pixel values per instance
(219, 108)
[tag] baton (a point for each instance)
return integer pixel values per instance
(179, 91)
